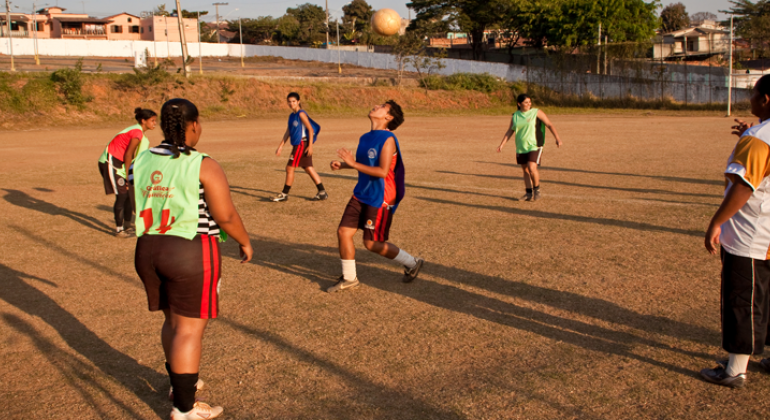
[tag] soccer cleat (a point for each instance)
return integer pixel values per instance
(200, 410)
(765, 364)
(322, 195)
(198, 387)
(411, 273)
(526, 197)
(719, 376)
(343, 284)
(536, 195)
(280, 197)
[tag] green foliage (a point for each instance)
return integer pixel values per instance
(143, 78)
(226, 89)
(752, 22)
(311, 22)
(191, 15)
(674, 17)
(358, 14)
(485, 82)
(37, 95)
(70, 84)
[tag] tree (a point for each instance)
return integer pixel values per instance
(311, 21)
(674, 17)
(190, 15)
(752, 22)
(358, 13)
(287, 30)
(160, 10)
(255, 31)
(700, 17)
(408, 45)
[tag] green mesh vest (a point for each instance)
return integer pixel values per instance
(167, 194)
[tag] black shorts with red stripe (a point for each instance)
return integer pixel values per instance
(374, 221)
(179, 274)
(299, 157)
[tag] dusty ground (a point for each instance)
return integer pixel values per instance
(597, 302)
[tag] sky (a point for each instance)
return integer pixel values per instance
(255, 8)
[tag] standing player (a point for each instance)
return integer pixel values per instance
(183, 202)
(529, 126)
(379, 190)
(301, 129)
(124, 147)
(740, 226)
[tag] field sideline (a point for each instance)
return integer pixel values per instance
(597, 302)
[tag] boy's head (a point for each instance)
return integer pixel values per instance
(391, 112)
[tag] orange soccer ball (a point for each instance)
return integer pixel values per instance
(386, 22)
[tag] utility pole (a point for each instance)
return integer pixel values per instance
(182, 39)
(217, 23)
(327, 24)
(730, 72)
(34, 23)
(240, 32)
(339, 54)
(599, 52)
(8, 27)
(200, 47)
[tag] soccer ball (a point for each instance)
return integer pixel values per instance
(386, 22)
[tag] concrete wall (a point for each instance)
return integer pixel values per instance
(690, 87)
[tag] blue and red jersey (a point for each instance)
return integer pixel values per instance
(297, 131)
(374, 191)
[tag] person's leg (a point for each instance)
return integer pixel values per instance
(185, 336)
(534, 174)
(345, 233)
(315, 177)
(122, 202)
(376, 240)
(289, 179)
(527, 176)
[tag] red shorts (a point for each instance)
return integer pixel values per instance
(299, 157)
(179, 274)
(375, 222)
(533, 156)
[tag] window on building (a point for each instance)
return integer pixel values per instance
(150, 29)
(116, 29)
(40, 26)
(134, 29)
(129, 20)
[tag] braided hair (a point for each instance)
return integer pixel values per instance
(143, 114)
(175, 116)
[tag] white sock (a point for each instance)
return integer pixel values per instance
(405, 259)
(119, 229)
(348, 270)
(738, 364)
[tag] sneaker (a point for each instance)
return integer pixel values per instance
(198, 387)
(343, 284)
(765, 364)
(280, 197)
(411, 273)
(124, 234)
(200, 410)
(526, 197)
(719, 376)
(536, 195)
(322, 195)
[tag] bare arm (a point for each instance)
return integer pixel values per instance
(217, 194)
(283, 141)
(541, 115)
(310, 133)
(736, 198)
(506, 137)
(129, 156)
(381, 171)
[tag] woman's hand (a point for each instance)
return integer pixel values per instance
(712, 239)
(740, 127)
(246, 253)
(336, 165)
(500, 148)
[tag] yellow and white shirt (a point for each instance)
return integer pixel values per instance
(747, 234)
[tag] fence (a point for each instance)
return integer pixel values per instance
(644, 81)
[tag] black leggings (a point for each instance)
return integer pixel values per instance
(124, 208)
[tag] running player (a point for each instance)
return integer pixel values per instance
(740, 226)
(183, 203)
(301, 129)
(529, 126)
(124, 147)
(379, 190)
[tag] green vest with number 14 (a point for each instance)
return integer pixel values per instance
(167, 194)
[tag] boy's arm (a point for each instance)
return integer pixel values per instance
(736, 198)
(283, 141)
(381, 171)
(310, 133)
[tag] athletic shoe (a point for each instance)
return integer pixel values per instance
(200, 410)
(124, 234)
(719, 376)
(526, 197)
(198, 387)
(411, 273)
(536, 195)
(723, 363)
(322, 195)
(765, 363)
(280, 197)
(343, 284)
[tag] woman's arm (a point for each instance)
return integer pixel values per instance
(129, 157)
(217, 193)
(506, 137)
(381, 171)
(283, 141)
(544, 118)
(736, 198)
(310, 133)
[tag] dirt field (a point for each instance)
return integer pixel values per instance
(597, 302)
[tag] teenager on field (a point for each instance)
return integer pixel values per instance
(529, 124)
(123, 148)
(376, 197)
(303, 132)
(183, 203)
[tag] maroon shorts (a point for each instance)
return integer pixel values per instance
(374, 221)
(534, 156)
(299, 157)
(179, 274)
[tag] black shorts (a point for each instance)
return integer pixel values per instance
(534, 156)
(745, 304)
(299, 157)
(113, 183)
(375, 222)
(179, 274)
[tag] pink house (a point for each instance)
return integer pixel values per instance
(166, 28)
(124, 27)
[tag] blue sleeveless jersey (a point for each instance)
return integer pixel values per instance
(370, 190)
(297, 129)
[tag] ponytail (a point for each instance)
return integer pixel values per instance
(175, 116)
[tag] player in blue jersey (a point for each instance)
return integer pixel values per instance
(379, 190)
(303, 132)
